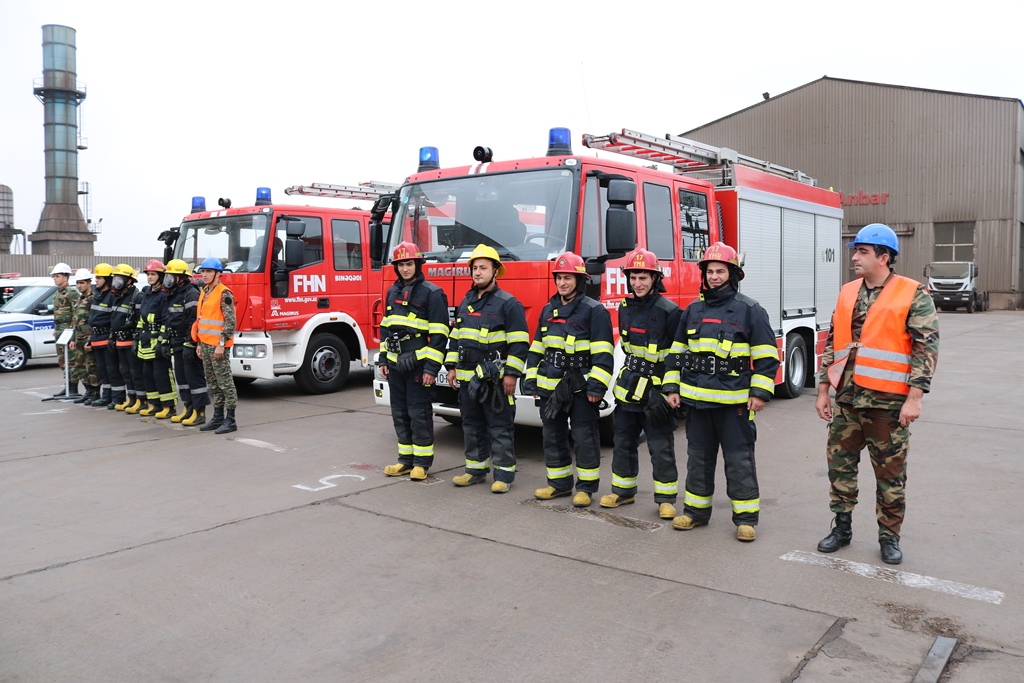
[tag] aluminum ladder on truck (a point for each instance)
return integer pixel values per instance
(686, 156)
(369, 190)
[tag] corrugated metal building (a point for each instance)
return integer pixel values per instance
(943, 169)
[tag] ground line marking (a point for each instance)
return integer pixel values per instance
(262, 444)
(870, 571)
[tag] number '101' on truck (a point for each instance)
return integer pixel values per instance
(531, 210)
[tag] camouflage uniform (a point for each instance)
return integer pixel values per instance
(64, 317)
(85, 361)
(865, 417)
(218, 372)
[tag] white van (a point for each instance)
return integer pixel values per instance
(26, 323)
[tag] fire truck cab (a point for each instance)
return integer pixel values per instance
(305, 287)
(532, 210)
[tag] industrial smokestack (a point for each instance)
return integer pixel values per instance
(62, 228)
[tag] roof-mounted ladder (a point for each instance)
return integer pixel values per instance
(368, 190)
(683, 154)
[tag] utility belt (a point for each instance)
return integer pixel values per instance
(710, 364)
(124, 335)
(561, 360)
(473, 356)
(101, 331)
(646, 368)
(150, 327)
(404, 344)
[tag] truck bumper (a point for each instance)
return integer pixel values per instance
(951, 298)
(253, 357)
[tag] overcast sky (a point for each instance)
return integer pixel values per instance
(216, 98)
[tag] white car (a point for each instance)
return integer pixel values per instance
(26, 324)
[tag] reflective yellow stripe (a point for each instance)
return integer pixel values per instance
(515, 363)
(641, 386)
(559, 472)
(423, 451)
(531, 373)
(666, 487)
(429, 353)
(451, 357)
(506, 469)
(537, 347)
(600, 375)
(438, 328)
(405, 449)
(623, 482)
(547, 383)
(740, 506)
(764, 351)
(463, 375)
(762, 382)
(713, 395)
(693, 500)
(478, 464)
(515, 337)
(588, 474)
(601, 347)
(405, 321)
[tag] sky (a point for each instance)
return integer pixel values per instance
(220, 97)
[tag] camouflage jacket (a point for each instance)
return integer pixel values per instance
(923, 326)
(64, 307)
(82, 310)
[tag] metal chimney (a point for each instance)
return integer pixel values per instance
(62, 228)
(7, 229)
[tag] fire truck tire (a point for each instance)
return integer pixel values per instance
(452, 420)
(796, 367)
(325, 367)
(971, 305)
(13, 355)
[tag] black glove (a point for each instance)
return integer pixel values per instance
(657, 409)
(135, 346)
(407, 362)
(479, 390)
(560, 400)
(163, 349)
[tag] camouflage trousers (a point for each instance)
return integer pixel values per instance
(888, 443)
(218, 377)
(83, 367)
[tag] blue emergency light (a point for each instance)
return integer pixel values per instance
(263, 196)
(429, 159)
(558, 142)
(198, 204)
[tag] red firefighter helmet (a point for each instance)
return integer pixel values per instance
(641, 259)
(723, 253)
(154, 266)
(571, 263)
(406, 251)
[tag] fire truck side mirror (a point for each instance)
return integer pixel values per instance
(376, 241)
(294, 253)
(620, 220)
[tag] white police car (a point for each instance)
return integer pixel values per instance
(26, 324)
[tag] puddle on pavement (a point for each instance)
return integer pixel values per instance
(594, 515)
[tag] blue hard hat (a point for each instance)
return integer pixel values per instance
(211, 263)
(878, 234)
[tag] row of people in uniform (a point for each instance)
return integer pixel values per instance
(716, 361)
(131, 346)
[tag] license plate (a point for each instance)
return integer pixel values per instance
(442, 378)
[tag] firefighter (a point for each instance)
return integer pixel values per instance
(722, 369)
(63, 317)
(413, 339)
(85, 359)
(99, 342)
(182, 303)
(124, 319)
(152, 347)
(214, 331)
(880, 357)
(647, 321)
(569, 369)
(486, 356)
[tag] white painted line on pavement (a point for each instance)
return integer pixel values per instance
(51, 411)
(37, 394)
(326, 481)
(262, 444)
(870, 571)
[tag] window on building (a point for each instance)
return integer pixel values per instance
(693, 221)
(658, 219)
(954, 242)
(348, 251)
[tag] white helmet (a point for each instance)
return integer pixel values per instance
(61, 269)
(82, 274)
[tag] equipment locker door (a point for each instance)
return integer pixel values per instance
(760, 240)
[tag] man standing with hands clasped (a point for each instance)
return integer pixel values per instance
(880, 357)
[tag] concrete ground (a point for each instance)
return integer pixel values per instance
(134, 549)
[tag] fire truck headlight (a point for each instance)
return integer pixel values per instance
(429, 159)
(250, 350)
(263, 196)
(198, 204)
(558, 142)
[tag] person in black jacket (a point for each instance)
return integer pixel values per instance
(152, 346)
(724, 360)
(180, 313)
(486, 356)
(123, 320)
(413, 338)
(99, 343)
(647, 321)
(569, 369)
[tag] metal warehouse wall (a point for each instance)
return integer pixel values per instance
(939, 157)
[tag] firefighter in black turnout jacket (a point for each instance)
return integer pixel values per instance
(182, 300)
(569, 368)
(724, 361)
(123, 321)
(99, 342)
(647, 321)
(413, 339)
(151, 345)
(486, 356)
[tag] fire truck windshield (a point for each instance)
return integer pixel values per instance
(240, 241)
(524, 215)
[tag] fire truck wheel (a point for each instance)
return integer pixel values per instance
(971, 306)
(13, 355)
(796, 367)
(451, 419)
(325, 367)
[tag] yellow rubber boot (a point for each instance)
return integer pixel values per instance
(581, 500)
(135, 407)
(549, 492)
(397, 470)
(667, 511)
(418, 473)
(181, 416)
(686, 522)
(746, 532)
(469, 479)
(164, 413)
(198, 417)
(127, 402)
(614, 500)
(500, 487)
(150, 408)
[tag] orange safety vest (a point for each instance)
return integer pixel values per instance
(209, 324)
(883, 352)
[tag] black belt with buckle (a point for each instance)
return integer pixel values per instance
(472, 355)
(647, 368)
(710, 364)
(566, 361)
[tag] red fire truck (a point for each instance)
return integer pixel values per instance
(306, 289)
(531, 210)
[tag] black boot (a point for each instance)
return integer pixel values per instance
(216, 421)
(104, 399)
(891, 553)
(64, 392)
(841, 534)
(116, 398)
(88, 396)
(229, 423)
